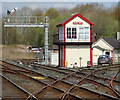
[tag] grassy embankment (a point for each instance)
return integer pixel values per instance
(15, 52)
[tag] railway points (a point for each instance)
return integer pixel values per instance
(53, 82)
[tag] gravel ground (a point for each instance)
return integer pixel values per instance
(49, 72)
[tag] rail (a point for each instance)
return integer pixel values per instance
(112, 83)
(63, 87)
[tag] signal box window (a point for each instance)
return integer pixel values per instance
(74, 33)
(84, 34)
(71, 33)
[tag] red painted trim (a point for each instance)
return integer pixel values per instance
(74, 17)
(59, 56)
(59, 50)
(91, 49)
(90, 33)
(64, 33)
(64, 46)
(91, 55)
(64, 56)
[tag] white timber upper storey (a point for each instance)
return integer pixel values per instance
(75, 30)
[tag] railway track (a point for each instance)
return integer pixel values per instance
(11, 90)
(112, 83)
(81, 74)
(101, 79)
(72, 84)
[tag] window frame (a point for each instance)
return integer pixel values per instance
(84, 33)
(74, 33)
(71, 33)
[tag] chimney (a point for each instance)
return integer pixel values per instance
(118, 36)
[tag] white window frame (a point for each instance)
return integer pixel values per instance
(71, 33)
(84, 34)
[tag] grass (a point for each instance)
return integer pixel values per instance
(16, 52)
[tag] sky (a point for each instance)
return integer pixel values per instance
(45, 4)
(60, 0)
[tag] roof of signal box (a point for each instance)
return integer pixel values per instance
(74, 16)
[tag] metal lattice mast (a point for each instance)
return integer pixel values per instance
(31, 21)
(46, 40)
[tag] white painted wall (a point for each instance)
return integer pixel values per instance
(116, 56)
(73, 53)
(71, 25)
(101, 43)
(54, 59)
(77, 19)
(97, 52)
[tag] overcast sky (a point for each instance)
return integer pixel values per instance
(60, 0)
(10, 4)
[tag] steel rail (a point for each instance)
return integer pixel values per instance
(34, 73)
(15, 66)
(47, 76)
(95, 82)
(28, 69)
(32, 95)
(58, 68)
(42, 74)
(106, 79)
(112, 83)
(20, 88)
(34, 79)
(99, 84)
(84, 73)
(63, 96)
(106, 66)
(56, 81)
(36, 93)
(74, 97)
(60, 79)
(113, 78)
(9, 69)
(98, 77)
(49, 68)
(92, 93)
(17, 72)
(53, 84)
(108, 87)
(84, 78)
(32, 69)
